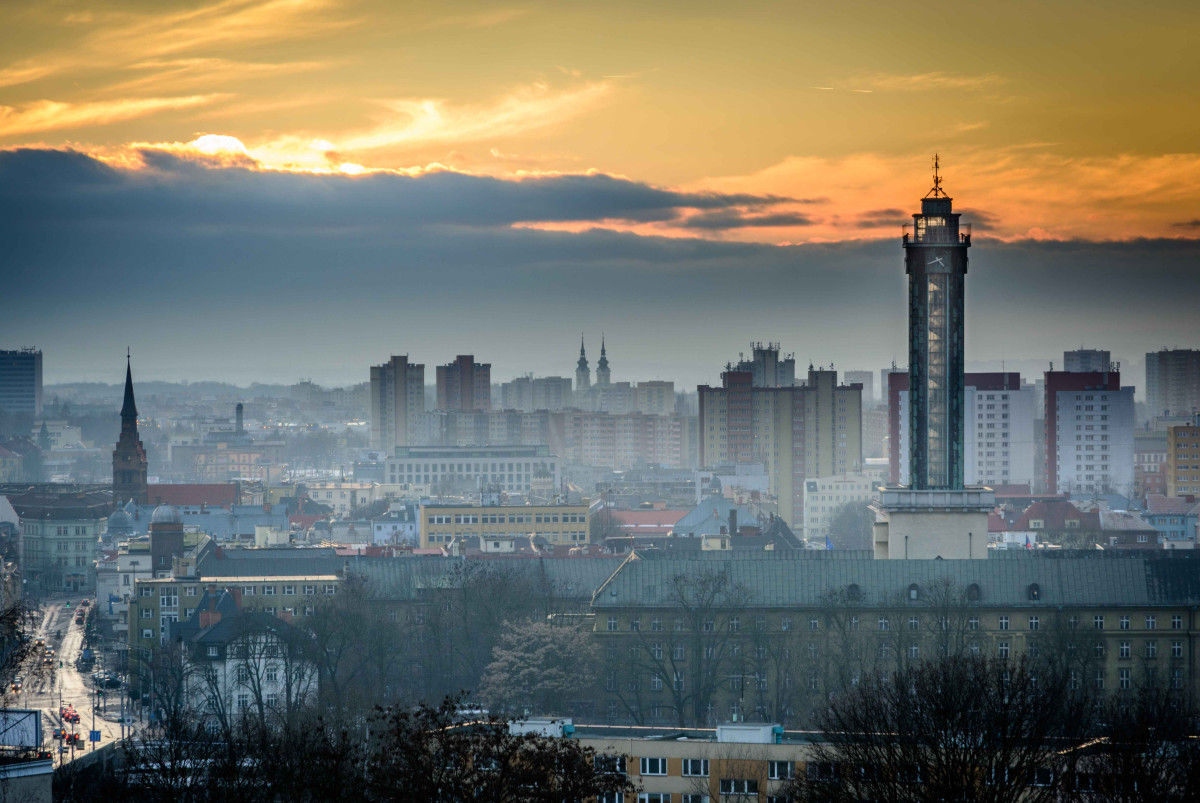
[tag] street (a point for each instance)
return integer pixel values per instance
(64, 685)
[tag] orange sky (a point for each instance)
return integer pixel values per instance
(1065, 120)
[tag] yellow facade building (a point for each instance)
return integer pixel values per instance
(558, 524)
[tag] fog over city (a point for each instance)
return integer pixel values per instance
(761, 402)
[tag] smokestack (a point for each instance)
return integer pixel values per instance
(733, 525)
(240, 429)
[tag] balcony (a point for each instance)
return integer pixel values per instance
(937, 235)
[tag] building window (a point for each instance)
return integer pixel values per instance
(1151, 622)
(973, 623)
(612, 623)
(1151, 649)
(213, 651)
(1124, 650)
(1002, 649)
(654, 766)
(1177, 622)
(884, 624)
(1034, 622)
(1124, 622)
(779, 770)
(739, 786)
(695, 767)
(1176, 649)
(635, 624)
(814, 623)
(1004, 623)
(1123, 678)
(1098, 621)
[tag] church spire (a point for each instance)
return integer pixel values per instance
(129, 458)
(603, 375)
(128, 408)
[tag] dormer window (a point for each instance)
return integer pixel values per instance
(1035, 593)
(914, 592)
(853, 592)
(973, 592)
(1037, 524)
(213, 651)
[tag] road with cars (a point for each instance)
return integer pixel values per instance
(61, 687)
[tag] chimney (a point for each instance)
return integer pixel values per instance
(733, 525)
(240, 429)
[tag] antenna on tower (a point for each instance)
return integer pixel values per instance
(937, 191)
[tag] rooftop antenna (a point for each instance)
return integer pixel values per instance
(937, 191)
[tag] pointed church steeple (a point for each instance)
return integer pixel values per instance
(603, 375)
(129, 458)
(583, 375)
(129, 407)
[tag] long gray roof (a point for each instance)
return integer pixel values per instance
(1083, 579)
(407, 578)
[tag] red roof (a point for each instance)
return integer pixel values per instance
(305, 521)
(646, 522)
(1159, 505)
(1055, 514)
(195, 494)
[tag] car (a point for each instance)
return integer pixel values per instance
(112, 682)
(83, 603)
(40, 643)
(59, 733)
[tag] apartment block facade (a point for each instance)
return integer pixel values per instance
(813, 430)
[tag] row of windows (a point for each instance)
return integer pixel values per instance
(733, 624)
(172, 592)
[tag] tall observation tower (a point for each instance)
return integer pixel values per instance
(935, 259)
(935, 516)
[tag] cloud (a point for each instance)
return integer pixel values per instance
(892, 216)
(926, 82)
(731, 219)
(1187, 224)
(413, 121)
(178, 74)
(485, 19)
(124, 39)
(1029, 190)
(48, 115)
(281, 255)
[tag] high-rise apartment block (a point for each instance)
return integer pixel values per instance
(866, 379)
(1089, 433)
(999, 445)
(464, 384)
(1086, 360)
(814, 430)
(1173, 382)
(766, 368)
(397, 403)
(622, 441)
(1183, 459)
(527, 393)
(21, 381)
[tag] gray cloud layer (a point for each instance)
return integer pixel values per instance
(242, 275)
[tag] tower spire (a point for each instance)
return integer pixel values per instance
(128, 407)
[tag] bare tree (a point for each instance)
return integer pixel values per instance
(955, 728)
(696, 647)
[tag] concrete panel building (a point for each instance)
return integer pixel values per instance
(397, 403)
(813, 430)
(21, 381)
